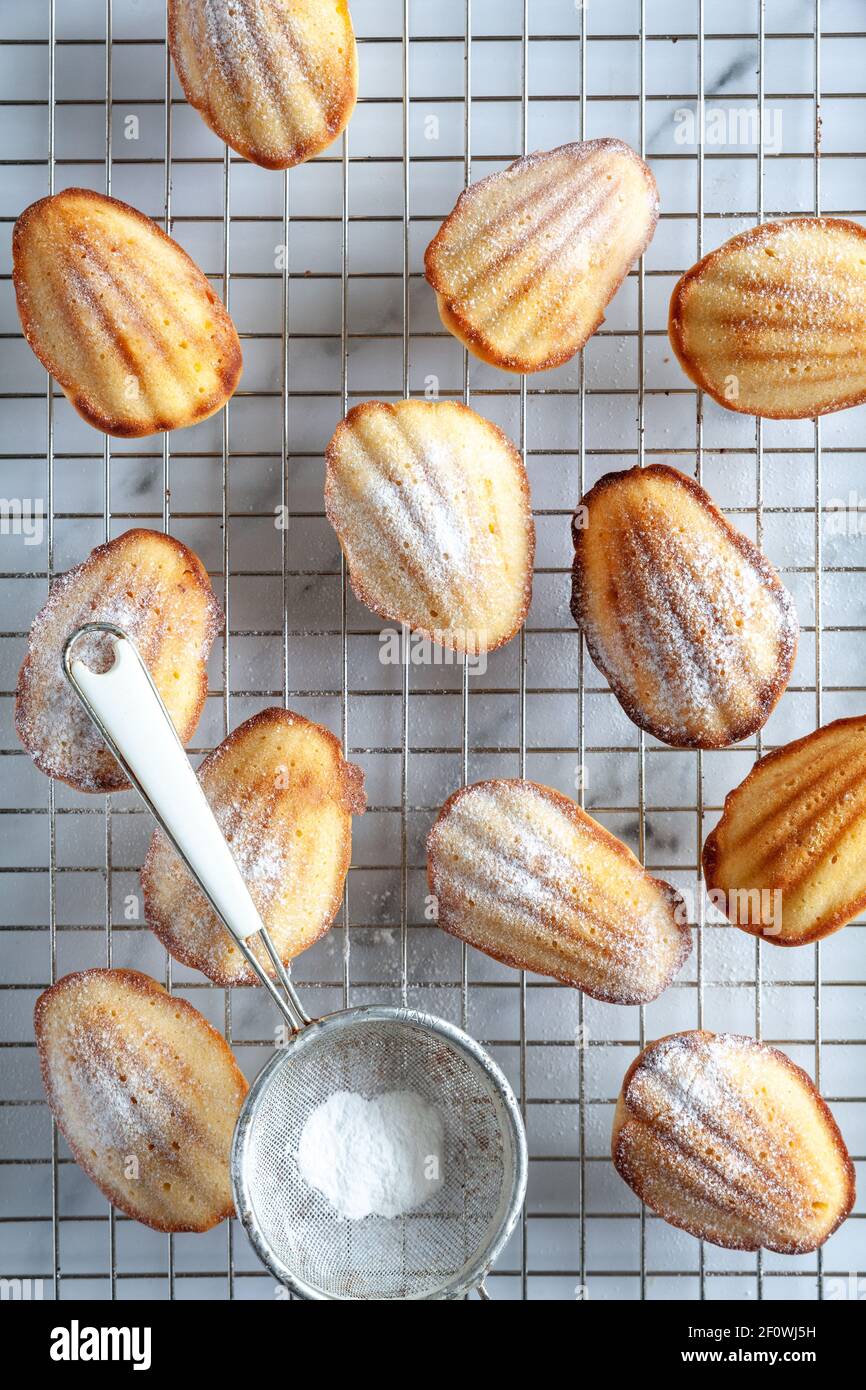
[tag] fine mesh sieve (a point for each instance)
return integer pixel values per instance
(443, 1248)
(440, 1250)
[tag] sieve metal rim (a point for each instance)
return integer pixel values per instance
(472, 1276)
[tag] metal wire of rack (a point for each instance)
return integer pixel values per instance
(338, 311)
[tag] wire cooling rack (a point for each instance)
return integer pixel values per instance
(321, 270)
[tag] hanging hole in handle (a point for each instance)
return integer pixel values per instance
(94, 644)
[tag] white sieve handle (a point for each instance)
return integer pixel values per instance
(126, 707)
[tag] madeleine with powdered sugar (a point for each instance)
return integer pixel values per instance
(773, 323)
(787, 860)
(430, 503)
(684, 615)
(529, 259)
(146, 1094)
(275, 79)
(724, 1137)
(283, 797)
(522, 873)
(158, 592)
(121, 316)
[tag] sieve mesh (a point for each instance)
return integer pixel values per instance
(428, 1251)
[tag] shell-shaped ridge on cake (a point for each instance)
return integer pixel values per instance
(145, 1092)
(787, 860)
(683, 614)
(773, 323)
(726, 1138)
(522, 873)
(121, 316)
(431, 506)
(277, 82)
(530, 257)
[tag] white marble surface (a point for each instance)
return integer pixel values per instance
(558, 1228)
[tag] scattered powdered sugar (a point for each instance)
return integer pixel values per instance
(377, 1157)
(261, 856)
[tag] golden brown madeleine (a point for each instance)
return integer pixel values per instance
(146, 1094)
(683, 614)
(431, 506)
(121, 316)
(284, 798)
(276, 79)
(158, 592)
(523, 874)
(727, 1139)
(787, 861)
(773, 323)
(527, 262)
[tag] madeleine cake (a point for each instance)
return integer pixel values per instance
(146, 1094)
(159, 593)
(284, 798)
(522, 873)
(529, 259)
(727, 1139)
(431, 506)
(787, 860)
(773, 323)
(275, 79)
(121, 316)
(686, 618)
